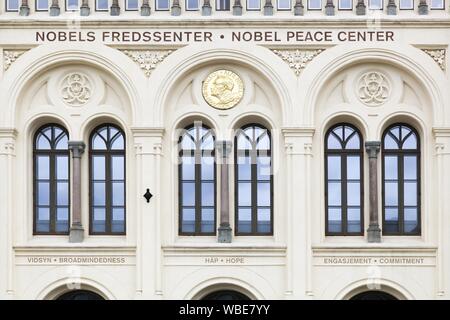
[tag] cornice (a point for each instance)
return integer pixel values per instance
(8, 133)
(147, 132)
(298, 132)
(441, 131)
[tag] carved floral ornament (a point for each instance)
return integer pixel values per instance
(438, 55)
(76, 89)
(10, 56)
(373, 88)
(297, 59)
(147, 60)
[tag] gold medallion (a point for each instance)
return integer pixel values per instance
(223, 89)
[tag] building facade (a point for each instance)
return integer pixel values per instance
(278, 149)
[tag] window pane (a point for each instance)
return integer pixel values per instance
(376, 4)
(117, 143)
(98, 224)
(391, 220)
(43, 167)
(13, 5)
(410, 143)
(62, 194)
(391, 194)
(188, 168)
(208, 142)
(353, 220)
(243, 142)
(334, 194)
(72, 5)
(62, 220)
(390, 143)
(410, 167)
(188, 194)
(263, 224)
(353, 167)
(264, 194)
(62, 167)
(132, 4)
(99, 194)
(188, 220)
(437, 4)
(98, 143)
(334, 220)
(222, 4)
(353, 143)
(187, 143)
(207, 194)
(42, 143)
(391, 167)
(43, 220)
(192, 4)
(102, 4)
(117, 164)
(62, 143)
(263, 141)
(314, 4)
(98, 167)
(333, 142)
(410, 194)
(353, 194)
(43, 198)
(411, 220)
(162, 4)
(406, 4)
(334, 167)
(264, 168)
(244, 168)
(244, 220)
(253, 4)
(207, 224)
(284, 4)
(244, 194)
(118, 220)
(345, 4)
(118, 194)
(207, 168)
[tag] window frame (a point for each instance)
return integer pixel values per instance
(375, 9)
(52, 154)
(254, 182)
(188, 9)
(41, 10)
(7, 9)
(344, 154)
(131, 10)
(108, 154)
(157, 7)
(66, 2)
(345, 9)
(252, 9)
(217, 7)
(442, 8)
(284, 9)
(314, 9)
(400, 153)
(101, 10)
(406, 9)
(197, 183)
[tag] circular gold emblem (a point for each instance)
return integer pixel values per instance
(223, 89)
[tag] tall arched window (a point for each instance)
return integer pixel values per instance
(253, 176)
(197, 181)
(343, 181)
(107, 180)
(401, 180)
(51, 180)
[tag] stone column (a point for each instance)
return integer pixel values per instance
(76, 230)
(299, 9)
(268, 8)
(423, 7)
(360, 8)
(224, 149)
(54, 8)
(237, 8)
(206, 8)
(115, 8)
(391, 8)
(24, 8)
(84, 9)
(329, 8)
(145, 8)
(374, 231)
(176, 9)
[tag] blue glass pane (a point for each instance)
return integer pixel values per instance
(192, 4)
(375, 4)
(62, 167)
(98, 143)
(263, 225)
(353, 167)
(334, 194)
(243, 142)
(99, 218)
(410, 167)
(43, 191)
(43, 167)
(62, 220)
(391, 167)
(99, 194)
(118, 143)
(314, 4)
(406, 4)
(207, 194)
(207, 168)
(391, 220)
(253, 4)
(118, 167)
(244, 168)
(43, 220)
(12, 5)
(62, 143)
(284, 4)
(410, 194)
(188, 194)
(353, 194)
(102, 4)
(72, 5)
(334, 167)
(188, 220)
(62, 193)
(42, 143)
(333, 143)
(118, 194)
(207, 224)
(353, 220)
(244, 194)
(263, 195)
(334, 220)
(98, 167)
(118, 220)
(437, 4)
(411, 220)
(345, 4)
(245, 220)
(162, 4)
(391, 194)
(264, 168)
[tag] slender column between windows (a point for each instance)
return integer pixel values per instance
(24, 8)
(206, 8)
(237, 8)
(360, 8)
(374, 231)
(76, 230)
(224, 150)
(84, 9)
(145, 8)
(54, 8)
(115, 8)
(268, 8)
(423, 7)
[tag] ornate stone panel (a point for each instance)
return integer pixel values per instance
(297, 59)
(76, 89)
(438, 55)
(373, 88)
(147, 60)
(10, 56)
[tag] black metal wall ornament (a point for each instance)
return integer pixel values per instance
(148, 195)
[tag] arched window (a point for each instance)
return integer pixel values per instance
(401, 181)
(107, 180)
(51, 180)
(343, 181)
(197, 181)
(253, 176)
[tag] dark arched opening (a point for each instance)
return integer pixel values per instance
(373, 295)
(80, 295)
(226, 295)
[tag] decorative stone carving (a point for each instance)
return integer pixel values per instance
(76, 89)
(223, 89)
(437, 55)
(147, 60)
(9, 56)
(297, 59)
(373, 88)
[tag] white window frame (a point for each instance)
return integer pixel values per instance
(39, 9)
(284, 9)
(192, 9)
(127, 8)
(437, 8)
(157, 8)
(254, 9)
(98, 9)
(67, 6)
(345, 9)
(316, 8)
(380, 8)
(12, 10)
(406, 8)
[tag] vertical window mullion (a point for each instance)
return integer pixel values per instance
(108, 187)
(52, 193)
(254, 186)
(401, 196)
(198, 189)
(344, 206)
